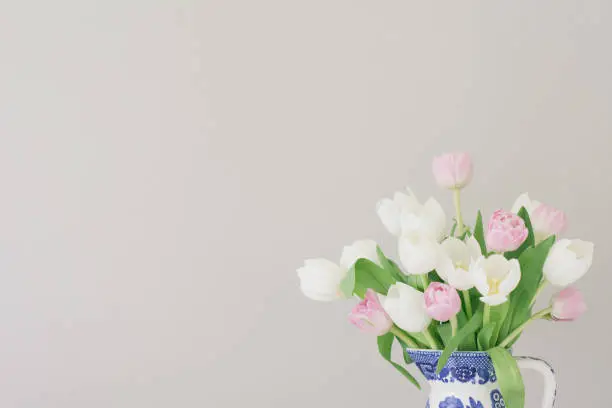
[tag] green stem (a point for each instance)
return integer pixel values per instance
(453, 322)
(468, 303)
(487, 314)
(539, 290)
(520, 329)
(457, 202)
(433, 344)
(425, 281)
(400, 334)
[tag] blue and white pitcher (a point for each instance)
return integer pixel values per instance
(468, 380)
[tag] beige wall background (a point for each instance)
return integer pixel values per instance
(165, 166)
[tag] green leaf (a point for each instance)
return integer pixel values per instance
(368, 275)
(385, 343)
(347, 285)
(389, 266)
(505, 328)
(529, 242)
(446, 333)
(484, 337)
(469, 343)
(498, 315)
(532, 264)
(509, 377)
(407, 358)
(434, 277)
(475, 298)
(521, 312)
(462, 334)
(453, 228)
(420, 339)
(465, 235)
(479, 233)
(415, 281)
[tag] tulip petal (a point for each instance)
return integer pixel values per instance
(473, 247)
(411, 223)
(406, 307)
(407, 201)
(418, 254)
(444, 266)
(435, 218)
(320, 279)
(441, 312)
(359, 249)
(452, 170)
(460, 279)
(389, 213)
(567, 261)
(583, 250)
(457, 250)
(568, 304)
(494, 300)
(390, 210)
(522, 201)
(479, 275)
(512, 278)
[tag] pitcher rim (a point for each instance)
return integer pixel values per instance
(456, 352)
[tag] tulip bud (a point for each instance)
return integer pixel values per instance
(442, 301)
(568, 304)
(547, 221)
(452, 170)
(406, 307)
(495, 278)
(320, 279)
(567, 261)
(369, 316)
(506, 231)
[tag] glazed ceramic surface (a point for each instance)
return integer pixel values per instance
(469, 381)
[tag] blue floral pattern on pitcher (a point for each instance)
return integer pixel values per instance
(475, 368)
(451, 402)
(497, 400)
(470, 376)
(454, 402)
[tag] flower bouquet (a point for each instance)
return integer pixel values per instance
(458, 299)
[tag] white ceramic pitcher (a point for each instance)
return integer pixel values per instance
(468, 380)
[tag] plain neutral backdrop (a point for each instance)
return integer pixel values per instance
(165, 166)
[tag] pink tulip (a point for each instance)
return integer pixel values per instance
(369, 316)
(568, 304)
(547, 220)
(442, 301)
(452, 170)
(506, 231)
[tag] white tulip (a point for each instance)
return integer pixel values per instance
(418, 254)
(495, 277)
(406, 307)
(567, 261)
(320, 279)
(405, 214)
(359, 249)
(390, 210)
(455, 259)
(429, 220)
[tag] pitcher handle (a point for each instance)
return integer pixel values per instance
(550, 383)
